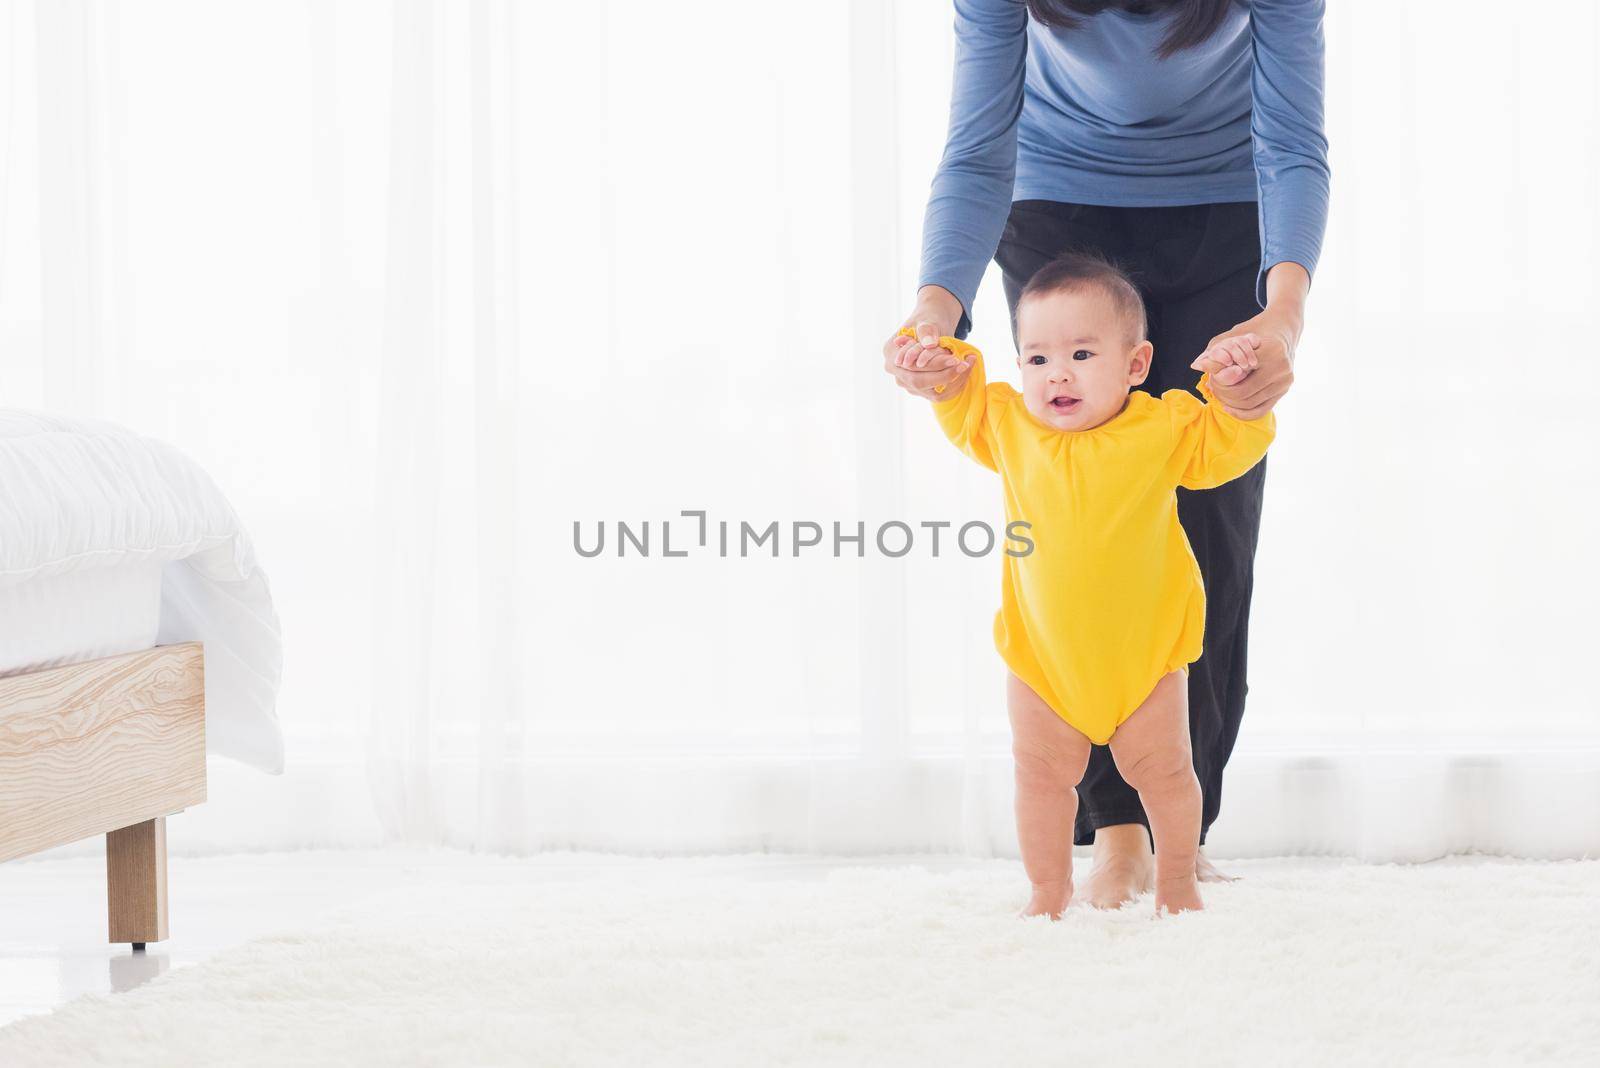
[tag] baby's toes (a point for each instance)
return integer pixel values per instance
(1179, 895)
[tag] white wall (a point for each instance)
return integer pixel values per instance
(420, 293)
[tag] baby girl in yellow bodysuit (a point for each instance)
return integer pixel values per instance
(1099, 623)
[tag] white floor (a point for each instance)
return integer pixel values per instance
(440, 957)
(53, 924)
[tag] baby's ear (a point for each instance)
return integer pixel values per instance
(1139, 362)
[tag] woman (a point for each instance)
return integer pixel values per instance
(1182, 139)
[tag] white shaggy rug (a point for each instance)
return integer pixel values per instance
(618, 961)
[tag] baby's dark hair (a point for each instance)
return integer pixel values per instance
(1074, 271)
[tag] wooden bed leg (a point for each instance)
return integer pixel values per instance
(136, 882)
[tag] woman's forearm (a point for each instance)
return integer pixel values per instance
(971, 192)
(937, 305)
(1288, 283)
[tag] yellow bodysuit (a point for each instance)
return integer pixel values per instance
(1110, 599)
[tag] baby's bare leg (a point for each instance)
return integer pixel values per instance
(1152, 752)
(1050, 758)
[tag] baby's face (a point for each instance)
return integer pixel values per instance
(1078, 358)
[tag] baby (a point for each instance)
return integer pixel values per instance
(1099, 623)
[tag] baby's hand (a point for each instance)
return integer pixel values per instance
(909, 352)
(1231, 352)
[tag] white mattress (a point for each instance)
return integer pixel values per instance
(51, 620)
(112, 542)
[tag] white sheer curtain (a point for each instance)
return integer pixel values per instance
(426, 284)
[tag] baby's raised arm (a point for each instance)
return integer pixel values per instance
(963, 409)
(1211, 445)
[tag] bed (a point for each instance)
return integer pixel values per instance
(137, 635)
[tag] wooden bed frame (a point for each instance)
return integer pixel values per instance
(109, 747)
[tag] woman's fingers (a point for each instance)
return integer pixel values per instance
(925, 383)
(942, 368)
(901, 349)
(931, 355)
(946, 378)
(1249, 343)
(921, 349)
(908, 352)
(912, 364)
(1257, 393)
(926, 359)
(927, 342)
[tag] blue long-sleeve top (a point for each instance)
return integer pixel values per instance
(1090, 115)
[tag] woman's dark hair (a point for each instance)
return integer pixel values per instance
(1193, 21)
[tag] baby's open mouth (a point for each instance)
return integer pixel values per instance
(1065, 404)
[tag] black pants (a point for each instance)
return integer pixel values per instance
(1196, 267)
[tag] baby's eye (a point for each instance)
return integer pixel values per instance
(1037, 361)
(1082, 354)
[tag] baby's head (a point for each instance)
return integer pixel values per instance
(1081, 339)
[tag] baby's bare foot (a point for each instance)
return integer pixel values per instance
(1208, 872)
(1181, 894)
(1049, 901)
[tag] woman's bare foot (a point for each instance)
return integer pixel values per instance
(1208, 872)
(1178, 895)
(1123, 866)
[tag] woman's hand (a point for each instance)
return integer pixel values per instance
(1277, 330)
(921, 365)
(1229, 360)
